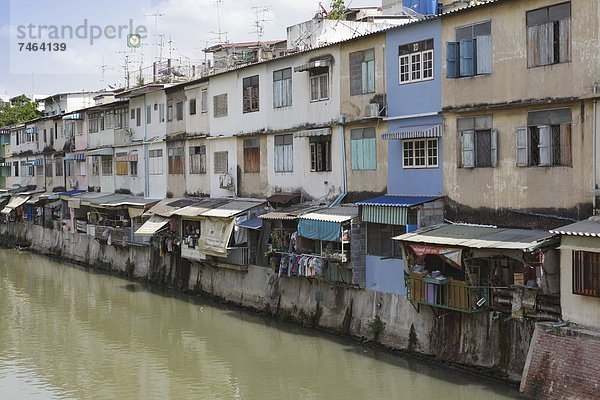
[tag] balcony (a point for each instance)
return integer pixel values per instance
(236, 256)
(447, 294)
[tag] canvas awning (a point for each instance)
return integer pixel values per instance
(75, 157)
(152, 226)
(215, 235)
(15, 202)
(413, 132)
(478, 237)
(103, 151)
(326, 224)
(313, 132)
(391, 209)
(252, 223)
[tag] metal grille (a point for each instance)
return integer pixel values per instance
(220, 162)
(586, 273)
(483, 152)
(556, 144)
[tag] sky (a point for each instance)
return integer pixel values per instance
(184, 27)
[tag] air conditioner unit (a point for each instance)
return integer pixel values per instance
(226, 181)
(372, 110)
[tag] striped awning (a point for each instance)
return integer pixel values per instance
(5, 164)
(413, 132)
(36, 162)
(385, 215)
(127, 158)
(103, 151)
(75, 157)
(73, 116)
(313, 132)
(326, 62)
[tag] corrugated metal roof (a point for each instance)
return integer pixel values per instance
(153, 225)
(394, 200)
(111, 198)
(333, 214)
(133, 201)
(590, 227)
(290, 213)
(167, 207)
(15, 202)
(481, 237)
(200, 207)
(232, 208)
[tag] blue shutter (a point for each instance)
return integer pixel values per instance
(370, 160)
(452, 59)
(466, 57)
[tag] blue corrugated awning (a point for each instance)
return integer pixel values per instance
(75, 157)
(413, 132)
(391, 209)
(252, 223)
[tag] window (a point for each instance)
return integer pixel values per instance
(179, 110)
(92, 123)
(415, 61)
(49, 170)
(420, 153)
(101, 120)
(549, 35)
(155, 162)
(133, 168)
(282, 88)
(478, 142)
(204, 100)
(363, 149)
(192, 106)
(198, 160)
(148, 114)
(83, 167)
(176, 161)
(39, 170)
(138, 116)
(96, 165)
(362, 72)
(379, 240)
(16, 168)
(221, 162)
(284, 157)
(121, 166)
(546, 141)
(251, 155)
(31, 170)
(109, 119)
(161, 112)
(107, 165)
(121, 120)
(70, 168)
(320, 153)
(250, 94)
(220, 105)
(319, 84)
(133, 113)
(471, 54)
(586, 273)
(58, 167)
(169, 110)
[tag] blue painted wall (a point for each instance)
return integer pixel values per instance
(385, 275)
(409, 100)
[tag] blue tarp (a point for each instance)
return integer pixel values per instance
(425, 7)
(320, 230)
(252, 223)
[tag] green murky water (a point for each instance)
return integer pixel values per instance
(67, 333)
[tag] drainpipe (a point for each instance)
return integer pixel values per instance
(146, 173)
(594, 152)
(342, 125)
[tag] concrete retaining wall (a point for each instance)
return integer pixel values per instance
(495, 345)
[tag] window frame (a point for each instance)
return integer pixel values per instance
(465, 56)
(251, 155)
(218, 157)
(320, 153)
(250, 94)
(556, 122)
(283, 154)
(425, 150)
(318, 78)
(359, 139)
(362, 72)
(374, 239)
(553, 38)
(406, 53)
(284, 89)
(176, 160)
(583, 268)
(197, 167)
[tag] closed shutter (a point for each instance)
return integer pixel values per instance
(452, 53)
(370, 154)
(483, 54)
(356, 72)
(564, 40)
(494, 147)
(565, 145)
(357, 152)
(545, 146)
(466, 57)
(522, 141)
(467, 144)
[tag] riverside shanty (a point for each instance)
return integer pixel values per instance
(430, 183)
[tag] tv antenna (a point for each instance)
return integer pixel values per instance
(259, 21)
(220, 34)
(155, 15)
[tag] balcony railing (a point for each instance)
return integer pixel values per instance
(236, 256)
(447, 294)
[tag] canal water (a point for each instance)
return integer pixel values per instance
(66, 333)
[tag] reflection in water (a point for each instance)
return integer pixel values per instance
(68, 333)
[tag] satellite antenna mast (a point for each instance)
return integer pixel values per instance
(220, 33)
(259, 21)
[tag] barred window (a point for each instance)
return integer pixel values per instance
(220, 162)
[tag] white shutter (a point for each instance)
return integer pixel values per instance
(467, 144)
(522, 147)
(494, 147)
(545, 146)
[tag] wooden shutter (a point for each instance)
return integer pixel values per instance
(522, 142)
(466, 57)
(483, 54)
(564, 40)
(467, 145)
(566, 157)
(356, 72)
(545, 145)
(494, 147)
(452, 54)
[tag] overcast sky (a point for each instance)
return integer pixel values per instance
(190, 25)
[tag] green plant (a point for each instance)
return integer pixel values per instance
(376, 327)
(337, 10)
